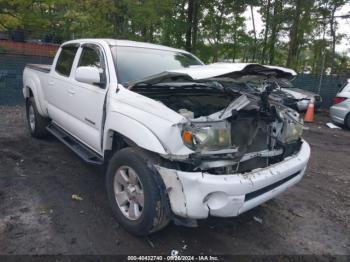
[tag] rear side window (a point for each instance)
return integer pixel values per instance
(65, 60)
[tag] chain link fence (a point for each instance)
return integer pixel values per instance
(11, 70)
(15, 55)
(13, 58)
(328, 89)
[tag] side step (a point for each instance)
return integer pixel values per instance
(76, 146)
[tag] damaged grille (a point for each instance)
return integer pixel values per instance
(268, 188)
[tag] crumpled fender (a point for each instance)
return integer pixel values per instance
(133, 130)
(148, 123)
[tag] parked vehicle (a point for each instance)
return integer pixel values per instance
(340, 111)
(285, 93)
(284, 98)
(301, 98)
(180, 142)
(278, 95)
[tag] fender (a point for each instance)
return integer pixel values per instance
(32, 82)
(133, 130)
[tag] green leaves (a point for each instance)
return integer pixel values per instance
(215, 30)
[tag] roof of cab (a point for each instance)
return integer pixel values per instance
(117, 42)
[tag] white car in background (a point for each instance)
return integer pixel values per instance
(340, 111)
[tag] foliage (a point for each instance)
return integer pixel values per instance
(296, 33)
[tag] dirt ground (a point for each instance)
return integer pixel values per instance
(38, 215)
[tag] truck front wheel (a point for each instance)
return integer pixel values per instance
(135, 193)
(36, 123)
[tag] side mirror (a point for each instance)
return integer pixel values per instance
(88, 75)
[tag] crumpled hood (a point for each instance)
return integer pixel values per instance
(217, 70)
(298, 93)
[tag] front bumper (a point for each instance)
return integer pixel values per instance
(197, 195)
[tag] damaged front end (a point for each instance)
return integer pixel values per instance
(245, 147)
(229, 130)
(243, 137)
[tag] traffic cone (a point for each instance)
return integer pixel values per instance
(309, 116)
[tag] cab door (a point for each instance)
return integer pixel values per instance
(60, 87)
(86, 105)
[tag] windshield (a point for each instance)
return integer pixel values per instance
(136, 63)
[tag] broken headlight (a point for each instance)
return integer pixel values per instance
(207, 136)
(294, 131)
(292, 127)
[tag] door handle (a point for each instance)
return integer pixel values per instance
(50, 83)
(71, 91)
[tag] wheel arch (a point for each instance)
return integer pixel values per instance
(32, 88)
(347, 120)
(27, 92)
(123, 130)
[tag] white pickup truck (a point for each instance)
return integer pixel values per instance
(181, 140)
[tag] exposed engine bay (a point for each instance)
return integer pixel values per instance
(231, 129)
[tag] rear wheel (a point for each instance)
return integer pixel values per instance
(136, 193)
(36, 123)
(347, 121)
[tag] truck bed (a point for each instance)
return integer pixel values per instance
(40, 67)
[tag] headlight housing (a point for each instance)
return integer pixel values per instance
(294, 131)
(207, 136)
(292, 127)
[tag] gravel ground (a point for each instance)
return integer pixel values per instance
(38, 215)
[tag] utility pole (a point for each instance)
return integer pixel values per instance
(322, 70)
(323, 60)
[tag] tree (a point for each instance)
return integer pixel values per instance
(300, 20)
(254, 32)
(335, 4)
(297, 33)
(266, 10)
(275, 28)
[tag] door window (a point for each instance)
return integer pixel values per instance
(65, 60)
(92, 56)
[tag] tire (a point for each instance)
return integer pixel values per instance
(347, 121)
(35, 122)
(153, 213)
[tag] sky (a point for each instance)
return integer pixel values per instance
(343, 26)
